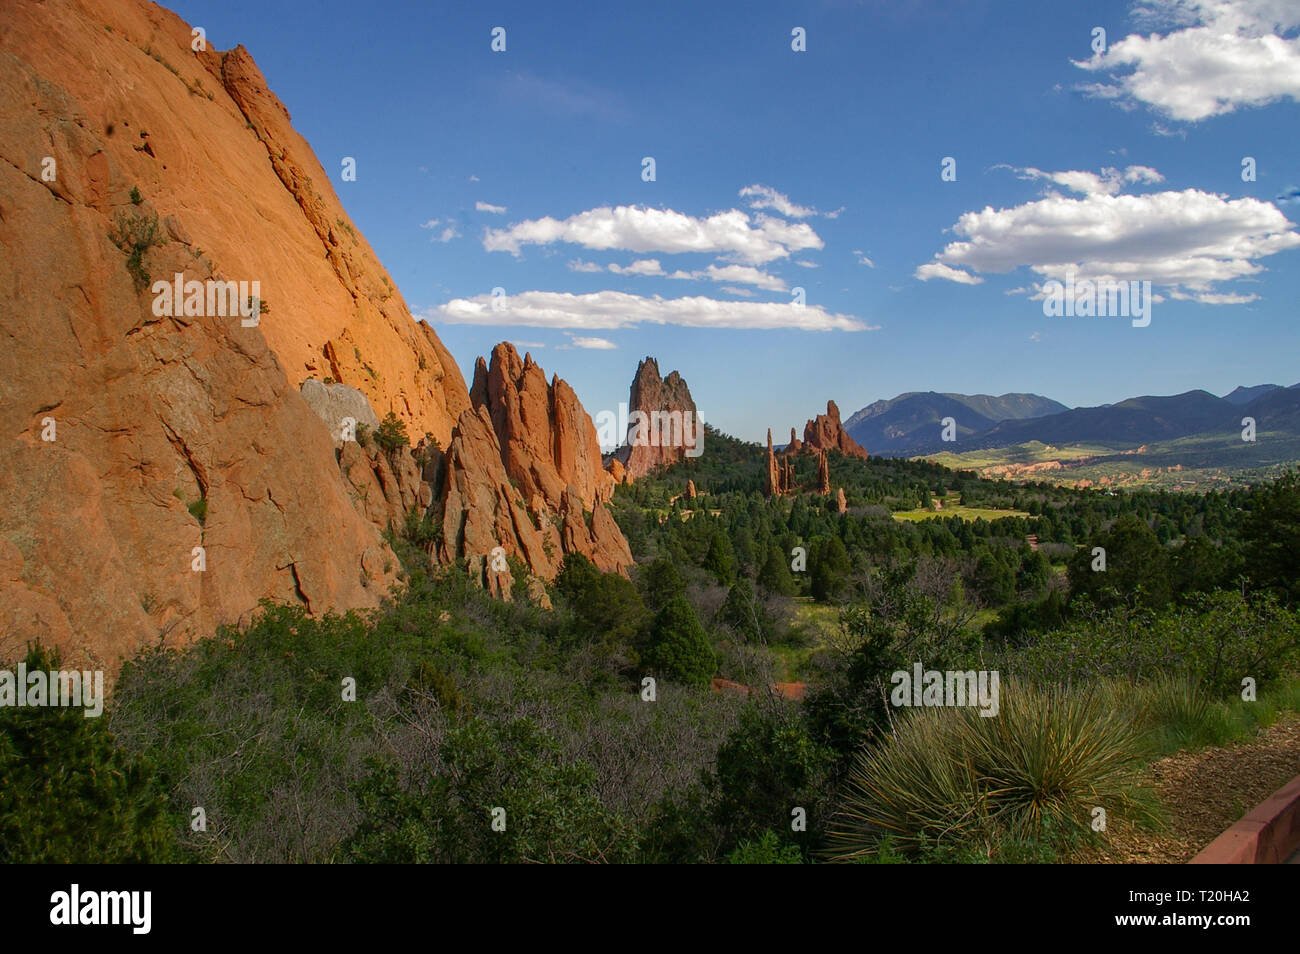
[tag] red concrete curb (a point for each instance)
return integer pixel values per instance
(1266, 836)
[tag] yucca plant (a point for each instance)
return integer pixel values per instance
(1034, 771)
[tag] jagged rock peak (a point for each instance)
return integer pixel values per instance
(667, 400)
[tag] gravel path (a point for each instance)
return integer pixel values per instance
(1205, 792)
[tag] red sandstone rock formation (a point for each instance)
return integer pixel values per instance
(618, 471)
(547, 445)
(823, 474)
(841, 504)
(795, 445)
(548, 441)
(173, 433)
(825, 432)
(668, 396)
(772, 483)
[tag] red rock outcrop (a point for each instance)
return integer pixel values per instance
(795, 445)
(618, 471)
(667, 400)
(531, 441)
(841, 504)
(825, 432)
(132, 438)
(823, 474)
(772, 481)
(548, 441)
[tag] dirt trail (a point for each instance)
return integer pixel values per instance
(1205, 792)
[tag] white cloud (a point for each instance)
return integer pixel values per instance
(593, 344)
(939, 270)
(733, 290)
(578, 265)
(1187, 240)
(1210, 298)
(863, 260)
(1217, 55)
(448, 232)
(486, 207)
(473, 179)
(765, 197)
(521, 345)
(1109, 182)
(731, 234)
(643, 266)
(744, 274)
(803, 264)
(605, 310)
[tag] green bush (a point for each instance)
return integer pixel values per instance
(135, 234)
(765, 850)
(1216, 640)
(70, 795)
(391, 435)
(679, 648)
(1034, 772)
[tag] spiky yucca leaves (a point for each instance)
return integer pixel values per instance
(949, 776)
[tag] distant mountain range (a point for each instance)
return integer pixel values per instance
(910, 424)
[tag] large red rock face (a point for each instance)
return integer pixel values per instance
(825, 433)
(652, 394)
(172, 433)
(548, 441)
(545, 447)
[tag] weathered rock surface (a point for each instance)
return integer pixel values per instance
(546, 446)
(176, 433)
(548, 442)
(660, 399)
(841, 504)
(825, 432)
(780, 472)
(618, 471)
(823, 474)
(335, 404)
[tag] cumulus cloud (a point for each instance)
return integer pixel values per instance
(1216, 56)
(644, 266)
(733, 235)
(939, 270)
(1108, 182)
(486, 207)
(578, 265)
(592, 344)
(745, 274)
(1186, 241)
(863, 260)
(605, 310)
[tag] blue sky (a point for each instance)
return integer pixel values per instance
(522, 170)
